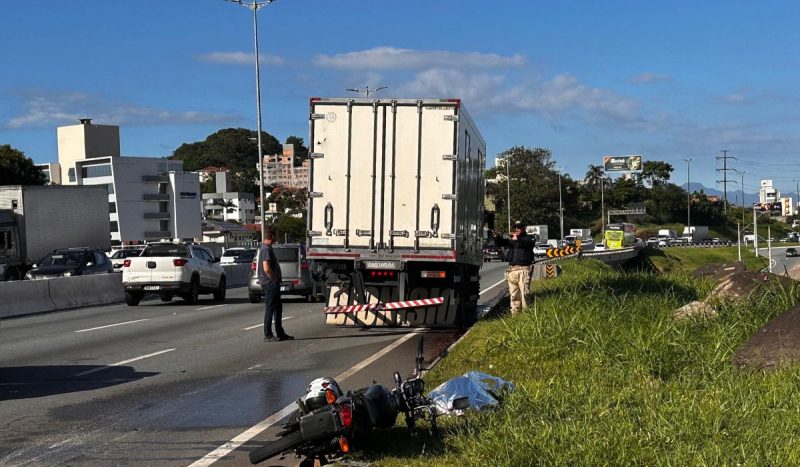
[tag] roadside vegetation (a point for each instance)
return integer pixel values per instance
(687, 260)
(606, 376)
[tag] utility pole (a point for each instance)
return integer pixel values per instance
(255, 6)
(796, 192)
(508, 187)
(602, 204)
(724, 180)
(560, 209)
(688, 192)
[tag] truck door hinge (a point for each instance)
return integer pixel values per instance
(399, 233)
(450, 196)
(314, 233)
(450, 157)
(451, 118)
(422, 233)
(363, 233)
(316, 155)
(315, 194)
(340, 232)
(316, 116)
(448, 236)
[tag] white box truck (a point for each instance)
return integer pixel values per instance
(667, 234)
(395, 209)
(539, 232)
(694, 234)
(37, 219)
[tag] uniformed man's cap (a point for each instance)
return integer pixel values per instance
(519, 225)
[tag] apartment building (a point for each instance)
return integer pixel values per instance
(280, 170)
(227, 205)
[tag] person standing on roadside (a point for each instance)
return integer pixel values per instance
(520, 258)
(269, 277)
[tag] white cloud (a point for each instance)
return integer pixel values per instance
(44, 109)
(239, 58)
(648, 77)
(562, 95)
(391, 58)
(735, 98)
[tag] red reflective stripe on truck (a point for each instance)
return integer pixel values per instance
(451, 256)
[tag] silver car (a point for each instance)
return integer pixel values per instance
(296, 278)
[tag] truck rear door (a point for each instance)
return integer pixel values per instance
(382, 174)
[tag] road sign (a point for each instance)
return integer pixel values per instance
(559, 252)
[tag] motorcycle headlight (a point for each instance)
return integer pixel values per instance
(66, 274)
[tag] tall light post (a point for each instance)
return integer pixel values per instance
(688, 193)
(797, 192)
(602, 204)
(560, 208)
(508, 187)
(255, 6)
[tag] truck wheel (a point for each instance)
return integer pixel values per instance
(165, 296)
(219, 294)
(193, 296)
(132, 298)
(254, 297)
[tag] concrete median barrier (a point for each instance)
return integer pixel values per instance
(24, 297)
(237, 275)
(80, 291)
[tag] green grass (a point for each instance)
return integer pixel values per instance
(605, 376)
(679, 259)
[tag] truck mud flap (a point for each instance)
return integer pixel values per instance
(444, 315)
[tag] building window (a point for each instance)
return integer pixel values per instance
(163, 226)
(46, 173)
(71, 174)
(163, 206)
(100, 170)
(114, 226)
(112, 207)
(110, 188)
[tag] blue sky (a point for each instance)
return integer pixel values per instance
(669, 80)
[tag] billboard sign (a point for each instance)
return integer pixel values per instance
(622, 164)
(773, 209)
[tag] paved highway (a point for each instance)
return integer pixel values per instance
(781, 262)
(174, 384)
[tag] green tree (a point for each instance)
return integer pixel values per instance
(656, 172)
(232, 148)
(18, 169)
(291, 229)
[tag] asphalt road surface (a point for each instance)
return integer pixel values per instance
(781, 263)
(174, 384)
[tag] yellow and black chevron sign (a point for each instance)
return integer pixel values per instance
(559, 252)
(550, 270)
(579, 244)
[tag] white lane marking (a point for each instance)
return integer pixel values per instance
(262, 324)
(112, 325)
(208, 307)
(142, 357)
(253, 431)
(492, 286)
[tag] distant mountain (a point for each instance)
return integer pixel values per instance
(734, 196)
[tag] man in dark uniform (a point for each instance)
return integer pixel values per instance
(520, 258)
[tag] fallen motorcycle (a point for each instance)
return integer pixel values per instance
(327, 420)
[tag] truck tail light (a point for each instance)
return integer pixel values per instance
(295, 281)
(382, 274)
(178, 262)
(433, 274)
(304, 265)
(126, 263)
(253, 266)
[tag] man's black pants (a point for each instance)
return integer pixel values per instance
(273, 310)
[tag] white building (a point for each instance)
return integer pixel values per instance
(280, 170)
(227, 205)
(767, 193)
(52, 172)
(148, 198)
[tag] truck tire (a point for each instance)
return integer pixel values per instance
(193, 296)
(219, 294)
(132, 298)
(254, 297)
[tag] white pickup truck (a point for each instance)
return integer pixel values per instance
(170, 269)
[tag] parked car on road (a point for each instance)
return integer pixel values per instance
(492, 252)
(791, 252)
(65, 262)
(170, 269)
(652, 241)
(238, 256)
(118, 257)
(600, 247)
(296, 278)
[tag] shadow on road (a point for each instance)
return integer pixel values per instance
(26, 382)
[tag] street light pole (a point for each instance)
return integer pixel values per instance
(560, 208)
(508, 186)
(688, 192)
(255, 6)
(602, 204)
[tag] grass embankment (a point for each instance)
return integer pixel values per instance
(678, 259)
(604, 375)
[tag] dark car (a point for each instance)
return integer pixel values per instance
(492, 252)
(295, 270)
(791, 252)
(67, 262)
